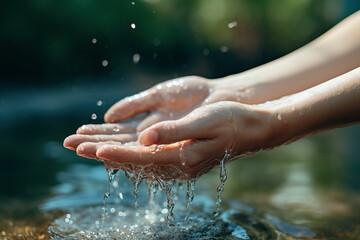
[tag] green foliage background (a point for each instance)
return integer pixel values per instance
(46, 42)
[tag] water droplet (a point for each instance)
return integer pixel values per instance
(132, 3)
(99, 103)
(121, 196)
(224, 49)
(136, 58)
(133, 26)
(93, 116)
(279, 116)
(105, 63)
(68, 215)
(232, 24)
(112, 210)
(94, 40)
(116, 129)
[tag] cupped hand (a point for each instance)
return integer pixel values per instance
(192, 145)
(172, 99)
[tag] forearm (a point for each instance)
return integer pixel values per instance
(334, 103)
(332, 54)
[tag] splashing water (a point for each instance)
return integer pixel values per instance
(149, 221)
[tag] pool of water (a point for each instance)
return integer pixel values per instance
(308, 190)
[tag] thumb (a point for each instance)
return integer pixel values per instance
(174, 131)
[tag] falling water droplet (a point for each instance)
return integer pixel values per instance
(132, 3)
(93, 116)
(279, 116)
(224, 49)
(232, 24)
(94, 40)
(99, 103)
(105, 63)
(133, 26)
(136, 58)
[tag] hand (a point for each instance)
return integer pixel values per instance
(172, 99)
(191, 146)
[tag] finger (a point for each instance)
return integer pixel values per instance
(73, 141)
(139, 155)
(87, 150)
(191, 158)
(108, 128)
(153, 118)
(175, 131)
(132, 106)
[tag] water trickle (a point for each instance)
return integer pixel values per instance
(93, 116)
(111, 174)
(223, 178)
(136, 178)
(190, 193)
(152, 189)
(181, 154)
(166, 187)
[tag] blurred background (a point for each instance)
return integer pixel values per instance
(60, 58)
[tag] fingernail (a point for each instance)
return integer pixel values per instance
(149, 137)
